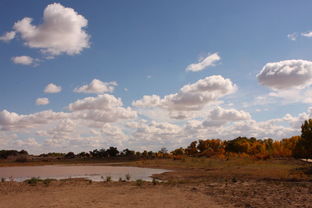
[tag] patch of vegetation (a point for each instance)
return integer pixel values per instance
(4, 154)
(154, 181)
(33, 181)
(108, 178)
(139, 182)
(21, 159)
(128, 177)
(47, 181)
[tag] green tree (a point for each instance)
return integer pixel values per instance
(305, 144)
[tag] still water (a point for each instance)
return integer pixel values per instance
(91, 172)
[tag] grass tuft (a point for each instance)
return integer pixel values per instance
(128, 177)
(33, 181)
(139, 182)
(108, 178)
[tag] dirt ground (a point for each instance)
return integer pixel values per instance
(191, 183)
(99, 195)
(258, 194)
(82, 194)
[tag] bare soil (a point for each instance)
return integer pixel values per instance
(81, 194)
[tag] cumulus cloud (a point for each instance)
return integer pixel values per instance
(42, 101)
(191, 97)
(62, 31)
(148, 101)
(204, 63)
(28, 144)
(154, 135)
(275, 128)
(103, 108)
(14, 121)
(23, 60)
(52, 88)
(96, 86)
(72, 131)
(220, 116)
(114, 133)
(286, 74)
(8, 36)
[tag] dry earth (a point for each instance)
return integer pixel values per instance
(81, 193)
(194, 183)
(76, 194)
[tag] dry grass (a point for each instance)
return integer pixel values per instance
(241, 168)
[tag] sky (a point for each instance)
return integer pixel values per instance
(79, 75)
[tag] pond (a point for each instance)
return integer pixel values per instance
(91, 172)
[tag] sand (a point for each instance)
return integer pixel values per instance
(100, 195)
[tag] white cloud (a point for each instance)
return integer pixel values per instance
(286, 74)
(155, 129)
(148, 101)
(28, 144)
(114, 133)
(62, 31)
(292, 36)
(293, 96)
(75, 132)
(52, 88)
(275, 128)
(8, 36)
(307, 34)
(221, 116)
(100, 102)
(14, 121)
(42, 101)
(191, 97)
(103, 108)
(24, 60)
(204, 63)
(96, 86)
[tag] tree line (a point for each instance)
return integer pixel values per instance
(295, 146)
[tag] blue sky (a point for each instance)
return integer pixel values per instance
(145, 48)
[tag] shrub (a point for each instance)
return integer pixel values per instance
(21, 159)
(108, 178)
(47, 181)
(139, 182)
(33, 181)
(128, 177)
(234, 180)
(154, 181)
